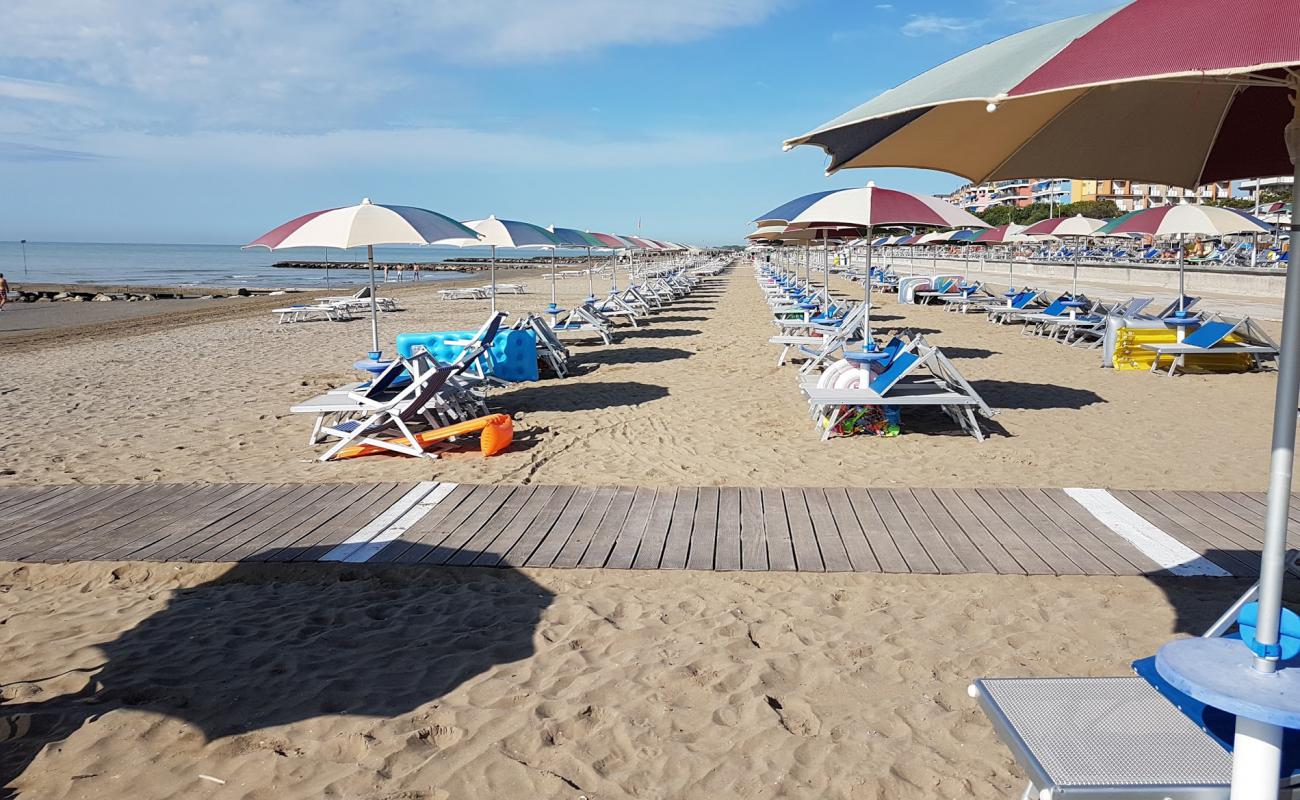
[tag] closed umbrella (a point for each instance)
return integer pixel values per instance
(1181, 92)
(1182, 221)
(366, 224)
(496, 233)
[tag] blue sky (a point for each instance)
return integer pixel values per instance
(215, 120)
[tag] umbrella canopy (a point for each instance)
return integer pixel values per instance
(869, 206)
(1186, 115)
(608, 240)
(572, 237)
(364, 225)
(1195, 220)
(964, 236)
(1200, 91)
(1002, 234)
(496, 233)
(787, 211)
(1077, 225)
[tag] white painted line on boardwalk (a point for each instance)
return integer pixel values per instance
(367, 551)
(1154, 543)
(381, 522)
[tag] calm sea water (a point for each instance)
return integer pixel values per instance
(209, 264)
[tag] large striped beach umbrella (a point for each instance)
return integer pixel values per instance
(1181, 221)
(1078, 227)
(364, 225)
(1181, 92)
(572, 237)
(496, 233)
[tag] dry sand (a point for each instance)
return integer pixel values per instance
(133, 681)
(692, 397)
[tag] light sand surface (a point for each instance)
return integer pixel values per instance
(133, 681)
(692, 397)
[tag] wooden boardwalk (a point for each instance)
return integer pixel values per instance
(942, 531)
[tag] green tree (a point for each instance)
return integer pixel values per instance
(1034, 212)
(1233, 202)
(1275, 195)
(997, 215)
(1097, 209)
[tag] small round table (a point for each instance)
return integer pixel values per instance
(1073, 306)
(1221, 673)
(866, 357)
(375, 366)
(1181, 323)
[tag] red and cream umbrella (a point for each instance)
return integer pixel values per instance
(364, 225)
(1078, 226)
(1181, 92)
(868, 207)
(1182, 221)
(1006, 234)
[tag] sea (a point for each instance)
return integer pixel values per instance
(216, 264)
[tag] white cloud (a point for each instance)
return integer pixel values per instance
(40, 91)
(417, 149)
(932, 23)
(288, 64)
(884, 6)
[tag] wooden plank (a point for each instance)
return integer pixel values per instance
(651, 552)
(67, 507)
(425, 538)
(1214, 536)
(835, 558)
(776, 530)
(183, 503)
(900, 532)
(1017, 548)
(704, 529)
(1030, 508)
(807, 557)
(190, 516)
(470, 526)
(727, 549)
(420, 538)
(182, 536)
(338, 529)
(753, 536)
(487, 534)
(554, 540)
(1059, 563)
(14, 506)
(1254, 511)
(536, 531)
(852, 537)
(989, 547)
(1197, 536)
(628, 544)
(103, 512)
(610, 527)
(883, 547)
(1233, 524)
(677, 545)
(17, 517)
(276, 537)
(953, 534)
(571, 553)
(281, 513)
(1117, 552)
(536, 502)
(936, 547)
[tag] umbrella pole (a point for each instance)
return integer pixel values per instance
(374, 304)
(1181, 293)
(493, 270)
(867, 341)
(1257, 745)
(934, 261)
(554, 255)
(591, 288)
(826, 264)
(1074, 281)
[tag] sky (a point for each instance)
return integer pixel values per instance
(212, 121)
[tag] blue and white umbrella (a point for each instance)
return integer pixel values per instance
(496, 233)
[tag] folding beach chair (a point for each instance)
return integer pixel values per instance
(360, 299)
(1209, 338)
(1169, 310)
(1129, 738)
(550, 350)
(585, 321)
(821, 341)
(1026, 299)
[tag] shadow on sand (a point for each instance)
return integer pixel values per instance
(1024, 396)
(633, 355)
(266, 645)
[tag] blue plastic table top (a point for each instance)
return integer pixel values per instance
(1181, 320)
(1010, 293)
(1221, 673)
(866, 356)
(1073, 303)
(808, 305)
(372, 365)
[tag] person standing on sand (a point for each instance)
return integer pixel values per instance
(4, 291)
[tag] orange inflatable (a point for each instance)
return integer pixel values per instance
(496, 431)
